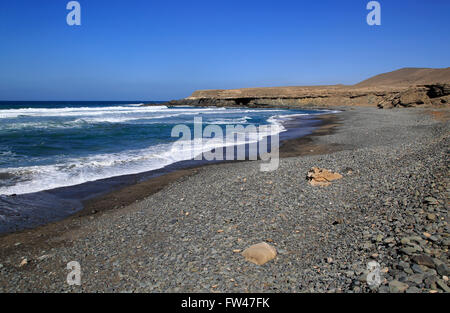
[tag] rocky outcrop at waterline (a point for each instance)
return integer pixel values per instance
(402, 88)
(425, 95)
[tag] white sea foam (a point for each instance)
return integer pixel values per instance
(116, 114)
(74, 171)
(80, 170)
(7, 153)
(45, 118)
(82, 111)
(224, 121)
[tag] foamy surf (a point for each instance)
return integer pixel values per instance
(52, 147)
(80, 170)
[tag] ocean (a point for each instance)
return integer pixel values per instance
(49, 145)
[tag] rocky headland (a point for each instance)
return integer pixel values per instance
(406, 87)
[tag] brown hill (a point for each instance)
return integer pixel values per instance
(407, 77)
(387, 82)
(401, 88)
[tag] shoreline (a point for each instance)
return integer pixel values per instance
(303, 145)
(389, 207)
(113, 192)
(119, 198)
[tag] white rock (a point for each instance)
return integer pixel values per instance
(260, 253)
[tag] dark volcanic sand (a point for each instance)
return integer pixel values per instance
(390, 207)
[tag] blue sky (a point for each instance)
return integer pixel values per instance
(161, 50)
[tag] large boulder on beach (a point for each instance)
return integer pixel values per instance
(321, 177)
(260, 253)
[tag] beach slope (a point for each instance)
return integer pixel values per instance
(389, 207)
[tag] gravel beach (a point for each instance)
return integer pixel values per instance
(391, 206)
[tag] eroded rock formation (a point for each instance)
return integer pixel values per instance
(402, 88)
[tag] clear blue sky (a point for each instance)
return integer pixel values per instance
(160, 50)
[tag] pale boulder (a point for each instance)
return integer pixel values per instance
(260, 253)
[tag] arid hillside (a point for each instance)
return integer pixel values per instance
(406, 77)
(401, 88)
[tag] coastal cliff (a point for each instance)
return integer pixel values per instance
(402, 88)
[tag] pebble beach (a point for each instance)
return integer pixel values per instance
(390, 206)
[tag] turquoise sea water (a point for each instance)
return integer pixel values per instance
(45, 145)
